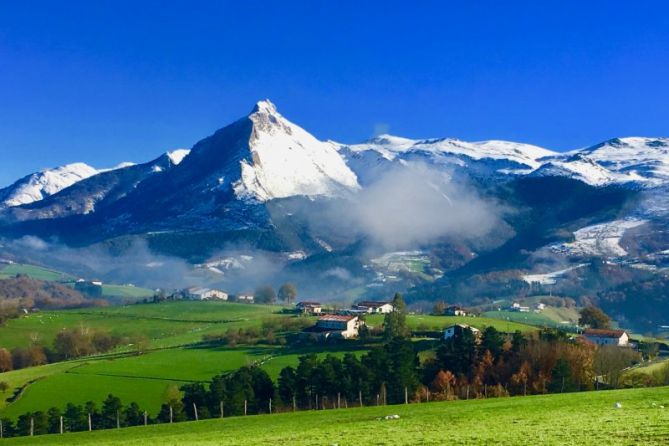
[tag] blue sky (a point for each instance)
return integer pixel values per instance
(104, 82)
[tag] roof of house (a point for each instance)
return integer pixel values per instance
(336, 318)
(464, 327)
(308, 304)
(598, 333)
(372, 304)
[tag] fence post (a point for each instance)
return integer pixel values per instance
(360, 397)
(377, 399)
(406, 396)
(316, 401)
(221, 407)
(61, 424)
(90, 423)
(171, 414)
(428, 395)
(118, 420)
(195, 412)
(467, 391)
(245, 406)
(32, 426)
(146, 418)
(338, 400)
(270, 405)
(294, 403)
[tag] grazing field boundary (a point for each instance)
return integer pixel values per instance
(616, 417)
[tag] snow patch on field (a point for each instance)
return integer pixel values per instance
(550, 278)
(599, 240)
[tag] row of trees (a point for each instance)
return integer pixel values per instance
(111, 414)
(68, 344)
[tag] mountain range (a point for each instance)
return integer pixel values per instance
(471, 221)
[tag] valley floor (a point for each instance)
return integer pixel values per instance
(588, 418)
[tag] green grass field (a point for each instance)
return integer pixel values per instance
(563, 419)
(166, 325)
(176, 353)
(550, 318)
(126, 291)
(36, 272)
(430, 322)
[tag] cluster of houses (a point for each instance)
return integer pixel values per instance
(342, 324)
(618, 338)
(201, 293)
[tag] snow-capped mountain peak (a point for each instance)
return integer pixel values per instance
(639, 160)
(36, 186)
(390, 146)
(264, 106)
(285, 160)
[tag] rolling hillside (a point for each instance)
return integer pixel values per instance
(584, 419)
(174, 353)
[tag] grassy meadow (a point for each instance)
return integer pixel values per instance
(173, 333)
(559, 419)
(112, 292)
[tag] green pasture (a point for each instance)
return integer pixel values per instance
(560, 419)
(431, 322)
(36, 272)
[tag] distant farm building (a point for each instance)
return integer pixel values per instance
(309, 307)
(455, 310)
(519, 308)
(458, 329)
(247, 298)
(206, 294)
(607, 337)
(369, 306)
(335, 326)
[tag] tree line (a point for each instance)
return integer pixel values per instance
(74, 418)
(68, 344)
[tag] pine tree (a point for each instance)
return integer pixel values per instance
(394, 323)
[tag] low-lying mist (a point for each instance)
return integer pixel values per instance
(409, 207)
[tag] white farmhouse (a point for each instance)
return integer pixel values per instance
(458, 329)
(369, 306)
(607, 337)
(519, 308)
(207, 294)
(247, 298)
(345, 326)
(309, 307)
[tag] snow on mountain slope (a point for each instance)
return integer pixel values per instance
(645, 158)
(599, 240)
(391, 146)
(42, 184)
(176, 156)
(584, 169)
(635, 160)
(285, 161)
(550, 278)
